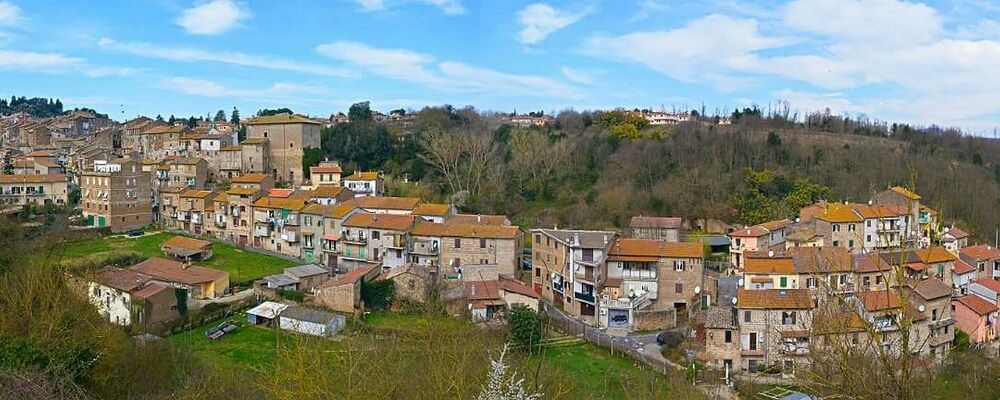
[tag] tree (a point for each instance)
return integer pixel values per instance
(360, 112)
(159, 118)
(192, 122)
(526, 328)
(503, 384)
(378, 295)
(311, 156)
(234, 117)
(266, 112)
(220, 116)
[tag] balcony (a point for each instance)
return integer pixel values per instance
(584, 297)
(587, 274)
(794, 350)
(181, 216)
(234, 211)
(759, 352)
(259, 216)
(220, 222)
(397, 242)
(329, 246)
(262, 231)
(290, 236)
(643, 274)
(424, 247)
(354, 239)
(196, 218)
(626, 303)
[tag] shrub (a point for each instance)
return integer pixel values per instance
(291, 294)
(378, 295)
(526, 328)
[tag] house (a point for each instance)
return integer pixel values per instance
(433, 212)
(669, 274)
(874, 273)
(934, 327)
(517, 294)
(954, 239)
(804, 237)
(200, 282)
(842, 226)
(984, 258)
(276, 219)
(659, 228)
(366, 183)
(311, 321)
(900, 196)
(762, 237)
(305, 278)
(412, 282)
(116, 194)
(289, 135)
(569, 268)
(330, 194)
(722, 338)
(824, 271)
(986, 288)
(457, 245)
(187, 249)
(343, 292)
(774, 328)
(264, 313)
(388, 205)
(33, 189)
(977, 317)
(920, 264)
(374, 239)
(189, 171)
(484, 299)
(962, 275)
(326, 173)
(129, 298)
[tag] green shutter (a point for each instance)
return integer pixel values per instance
(784, 281)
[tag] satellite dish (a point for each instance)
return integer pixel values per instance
(770, 253)
(734, 301)
(697, 289)
(922, 308)
(740, 282)
(869, 202)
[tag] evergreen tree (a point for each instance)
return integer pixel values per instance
(234, 118)
(220, 116)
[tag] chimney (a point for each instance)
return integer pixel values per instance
(479, 218)
(473, 290)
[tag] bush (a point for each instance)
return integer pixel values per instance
(526, 328)
(378, 295)
(291, 294)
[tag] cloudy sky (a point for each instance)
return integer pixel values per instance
(934, 62)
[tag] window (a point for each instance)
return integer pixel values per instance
(458, 243)
(878, 279)
(753, 341)
(538, 272)
(934, 315)
(836, 243)
(588, 254)
(810, 283)
(746, 316)
(783, 281)
(854, 338)
(679, 265)
(291, 145)
(376, 235)
(836, 227)
(850, 227)
(538, 239)
(482, 243)
(850, 244)
(868, 238)
(868, 223)
(678, 288)
(752, 364)
(729, 337)
(788, 318)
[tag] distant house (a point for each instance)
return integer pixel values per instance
(365, 183)
(304, 278)
(494, 298)
(343, 293)
(412, 282)
(977, 317)
(201, 282)
(129, 298)
(660, 228)
(187, 249)
(954, 239)
(311, 321)
(265, 313)
(984, 258)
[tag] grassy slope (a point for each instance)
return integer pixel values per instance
(241, 265)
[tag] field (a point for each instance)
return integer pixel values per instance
(578, 371)
(241, 265)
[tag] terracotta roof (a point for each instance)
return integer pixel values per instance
(432, 209)
(234, 147)
(977, 304)
(388, 203)
(869, 212)
(482, 290)
(33, 178)
(315, 209)
(451, 229)
(932, 288)
(325, 169)
(195, 193)
(837, 321)
(821, 259)
(905, 192)
(989, 284)
(753, 231)
(656, 222)
(839, 213)
(173, 271)
(651, 250)
(121, 279)
(962, 267)
(280, 193)
(281, 119)
(781, 299)
(776, 224)
(185, 242)
(957, 233)
(381, 221)
(326, 191)
(149, 290)
(480, 219)
(349, 278)
(362, 176)
(242, 191)
(762, 264)
(340, 210)
(879, 300)
(981, 252)
(161, 129)
(188, 161)
(511, 285)
(280, 203)
(934, 255)
(802, 235)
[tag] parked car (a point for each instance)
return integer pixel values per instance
(136, 233)
(669, 338)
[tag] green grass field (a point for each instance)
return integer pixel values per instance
(241, 265)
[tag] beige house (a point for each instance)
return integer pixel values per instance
(343, 292)
(201, 282)
(456, 245)
(326, 173)
(33, 189)
(364, 183)
(658, 228)
(762, 237)
(116, 194)
(774, 328)
(276, 224)
(189, 171)
(289, 135)
(255, 155)
(569, 268)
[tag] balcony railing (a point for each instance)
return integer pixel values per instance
(221, 223)
(429, 248)
(290, 236)
(585, 297)
(196, 218)
(182, 216)
(354, 239)
(634, 303)
(638, 274)
(587, 274)
(262, 231)
(794, 350)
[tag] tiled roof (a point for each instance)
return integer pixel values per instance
(173, 271)
(821, 259)
(280, 203)
(242, 191)
(380, 221)
(586, 239)
(905, 192)
(121, 279)
(432, 209)
(753, 231)
(315, 209)
(388, 203)
(779, 299)
(514, 286)
(195, 193)
(281, 193)
(779, 264)
(149, 290)
(656, 222)
(326, 191)
(870, 212)
(185, 242)
(33, 178)
(932, 288)
(962, 267)
(989, 284)
(981, 252)
(281, 119)
(348, 278)
(934, 255)
(776, 224)
(482, 290)
(801, 235)
(479, 219)
(957, 233)
(879, 300)
(362, 176)
(340, 210)
(977, 304)
(450, 229)
(188, 161)
(838, 213)
(325, 169)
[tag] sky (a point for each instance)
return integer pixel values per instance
(921, 63)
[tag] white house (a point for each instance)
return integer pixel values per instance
(311, 321)
(365, 184)
(110, 293)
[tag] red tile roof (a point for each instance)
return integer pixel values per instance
(185, 242)
(879, 300)
(656, 222)
(381, 221)
(482, 290)
(121, 279)
(962, 267)
(349, 278)
(932, 288)
(990, 284)
(981, 252)
(150, 290)
(977, 304)
(780, 299)
(517, 287)
(173, 271)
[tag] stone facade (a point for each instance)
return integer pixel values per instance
(117, 194)
(288, 136)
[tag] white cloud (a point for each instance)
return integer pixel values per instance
(422, 69)
(186, 54)
(371, 5)
(578, 76)
(694, 52)
(10, 13)
(539, 20)
(865, 22)
(214, 17)
(648, 8)
(450, 7)
(101, 72)
(208, 88)
(32, 61)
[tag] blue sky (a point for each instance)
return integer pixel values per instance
(935, 62)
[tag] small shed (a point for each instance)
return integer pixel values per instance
(281, 281)
(265, 312)
(311, 321)
(187, 249)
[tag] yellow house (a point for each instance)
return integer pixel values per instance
(201, 282)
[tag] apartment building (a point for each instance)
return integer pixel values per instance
(189, 171)
(455, 245)
(116, 194)
(276, 224)
(762, 237)
(774, 328)
(374, 240)
(33, 189)
(255, 156)
(289, 135)
(569, 268)
(984, 258)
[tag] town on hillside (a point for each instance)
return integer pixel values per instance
(885, 278)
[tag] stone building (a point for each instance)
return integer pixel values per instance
(289, 136)
(117, 194)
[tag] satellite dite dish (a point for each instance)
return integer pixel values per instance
(740, 282)
(734, 301)
(922, 308)
(697, 289)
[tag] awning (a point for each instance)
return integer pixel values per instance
(333, 237)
